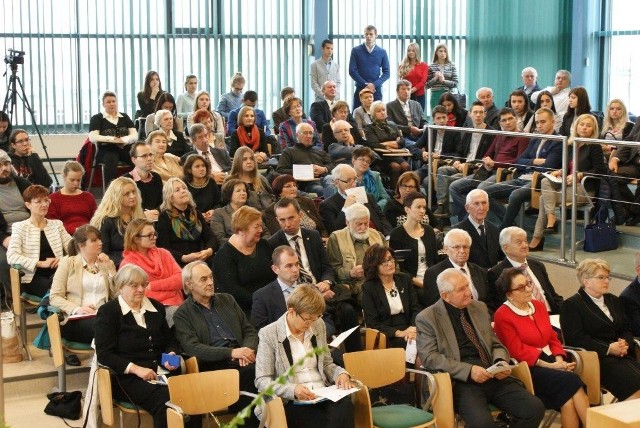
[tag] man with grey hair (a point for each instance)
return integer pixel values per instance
(304, 153)
(218, 159)
(346, 248)
(320, 111)
(406, 113)
(455, 336)
(630, 299)
(485, 250)
(513, 241)
(560, 91)
(332, 209)
(529, 83)
(485, 96)
(12, 210)
(457, 244)
(213, 328)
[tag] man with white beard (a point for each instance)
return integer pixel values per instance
(346, 248)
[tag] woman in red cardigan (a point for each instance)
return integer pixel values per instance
(413, 69)
(523, 326)
(165, 276)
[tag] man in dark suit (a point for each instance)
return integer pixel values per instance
(332, 209)
(457, 243)
(630, 299)
(485, 249)
(515, 245)
(315, 268)
(406, 113)
(219, 159)
(320, 111)
(455, 336)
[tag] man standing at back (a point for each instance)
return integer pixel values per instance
(368, 66)
(323, 69)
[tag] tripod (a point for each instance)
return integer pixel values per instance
(10, 105)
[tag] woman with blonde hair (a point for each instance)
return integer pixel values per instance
(616, 125)
(166, 165)
(120, 205)
(590, 162)
(413, 69)
(244, 167)
(181, 228)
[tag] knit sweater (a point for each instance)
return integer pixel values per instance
(369, 67)
(165, 276)
(73, 210)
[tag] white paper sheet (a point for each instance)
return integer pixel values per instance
(303, 172)
(359, 192)
(411, 352)
(342, 336)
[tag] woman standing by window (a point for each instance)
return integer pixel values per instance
(443, 74)
(413, 69)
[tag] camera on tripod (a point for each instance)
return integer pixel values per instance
(14, 57)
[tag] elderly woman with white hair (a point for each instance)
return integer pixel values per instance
(383, 135)
(177, 145)
(165, 164)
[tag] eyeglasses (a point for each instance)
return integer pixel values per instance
(388, 261)
(305, 132)
(309, 320)
(22, 141)
(364, 161)
(349, 181)
(407, 187)
(529, 284)
(600, 278)
(149, 235)
(147, 156)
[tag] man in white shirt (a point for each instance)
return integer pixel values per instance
(324, 69)
(560, 91)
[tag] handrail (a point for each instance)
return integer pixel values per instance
(563, 167)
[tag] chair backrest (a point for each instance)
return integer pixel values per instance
(104, 395)
(206, 392)
(442, 401)
(273, 414)
(588, 368)
(53, 326)
(191, 365)
(374, 339)
(522, 372)
(14, 275)
(377, 367)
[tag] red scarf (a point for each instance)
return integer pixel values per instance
(252, 142)
(451, 119)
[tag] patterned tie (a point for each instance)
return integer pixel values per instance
(305, 276)
(473, 337)
(536, 293)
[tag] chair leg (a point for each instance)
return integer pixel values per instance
(62, 377)
(23, 332)
(90, 182)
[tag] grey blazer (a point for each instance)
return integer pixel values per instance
(396, 115)
(273, 357)
(437, 345)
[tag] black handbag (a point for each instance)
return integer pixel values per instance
(67, 405)
(461, 98)
(600, 234)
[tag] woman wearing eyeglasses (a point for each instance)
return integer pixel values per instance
(165, 276)
(408, 182)
(594, 319)
(523, 326)
(389, 300)
(287, 341)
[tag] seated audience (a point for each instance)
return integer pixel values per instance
(280, 115)
(118, 207)
(232, 100)
(389, 300)
(245, 168)
(445, 145)
(211, 327)
(485, 248)
(339, 111)
(519, 103)
(406, 113)
(285, 186)
(131, 334)
(205, 191)
(26, 163)
(248, 134)
(630, 300)
(5, 131)
(616, 124)
(249, 99)
(287, 132)
(345, 140)
(414, 244)
(149, 94)
(149, 183)
(165, 164)
(456, 245)
(578, 105)
(175, 139)
(300, 330)
(394, 211)
(455, 336)
(594, 319)
(211, 119)
(361, 159)
(186, 101)
(523, 326)
(362, 113)
(559, 91)
(112, 132)
(456, 114)
(346, 248)
(218, 159)
(243, 263)
(332, 209)
(530, 85)
(71, 205)
(163, 273)
(82, 283)
(235, 193)
(164, 102)
(590, 162)
(546, 100)
(37, 244)
(321, 109)
(513, 241)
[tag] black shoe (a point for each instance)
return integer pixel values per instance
(72, 360)
(633, 220)
(538, 247)
(551, 230)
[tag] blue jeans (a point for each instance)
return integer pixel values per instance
(503, 190)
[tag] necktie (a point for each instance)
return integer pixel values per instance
(305, 276)
(536, 293)
(474, 292)
(473, 337)
(483, 236)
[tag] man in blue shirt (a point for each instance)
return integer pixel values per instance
(368, 66)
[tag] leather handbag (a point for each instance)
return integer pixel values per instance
(67, 405)
(600, 234)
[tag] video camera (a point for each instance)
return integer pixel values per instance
(14, 57)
